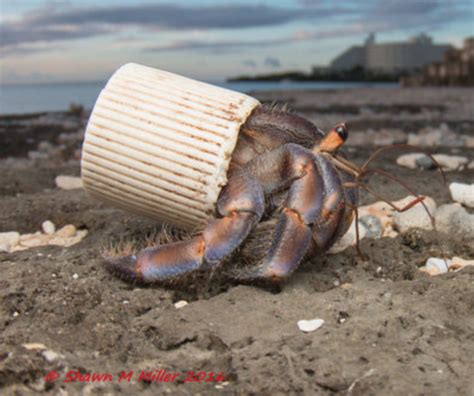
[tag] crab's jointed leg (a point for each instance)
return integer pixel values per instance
(241, 206)
(303, 206)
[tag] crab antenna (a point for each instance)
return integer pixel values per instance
(406, 146)
(419, 199)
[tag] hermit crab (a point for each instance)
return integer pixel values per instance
(291, 193)
(256, 185)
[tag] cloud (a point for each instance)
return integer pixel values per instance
(49, 24)
(226, 46)
(60, 23)
(272, 62)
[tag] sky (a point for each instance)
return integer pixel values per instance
(44, 41)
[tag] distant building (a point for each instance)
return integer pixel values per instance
(457, 68)
(391, 57)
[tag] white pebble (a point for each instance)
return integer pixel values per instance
(67, 231)
(462, 193)
(409, 160)
(68, 182)
(450, 162)
(180, 304)
(438, 264)
(416, 217)
(34, 346)
(75, 276)
(9, 240)
(310, 325)
(15, 314)
(50, 356)
(459, 263)
(48, 227)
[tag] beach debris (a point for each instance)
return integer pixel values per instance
(436, 266)
(66, 236)
(68, 182)
(453, 219)
(462, 193)
(425, 162)
(180, 304)
(34, 346)
(48, 227)
(421, 160)
(451, 162)
(409, 160)
(50, 356)
(384, 212)
(381, 220)
(308, 326)
(8, 240)
(459, 263)
(415, 217)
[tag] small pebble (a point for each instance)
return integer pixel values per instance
(75, 276)
(68, 182)
(180, 304)
(34, 346)
(373, 226)
(67, 231)
(462, 193)
(310, 325)
(50, 356)
(48, 227)
(15, 314)
(416, 217)
(9, 240)
(447, 162)
(409, 160)
(438, 263)
(459, 263)
(425, 162)
(450, 162)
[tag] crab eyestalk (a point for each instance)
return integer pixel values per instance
(333, 140)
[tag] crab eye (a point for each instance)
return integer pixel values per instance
(342, 131)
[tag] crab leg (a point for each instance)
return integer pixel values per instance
(241, 206)
(302, 208)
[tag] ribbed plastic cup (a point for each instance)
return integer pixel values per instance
(159, 144)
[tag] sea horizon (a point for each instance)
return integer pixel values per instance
(26, 98)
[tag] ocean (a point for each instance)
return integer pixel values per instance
(23, 99)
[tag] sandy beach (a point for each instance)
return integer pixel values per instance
(388, 328)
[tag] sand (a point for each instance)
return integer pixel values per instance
(388, 327)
